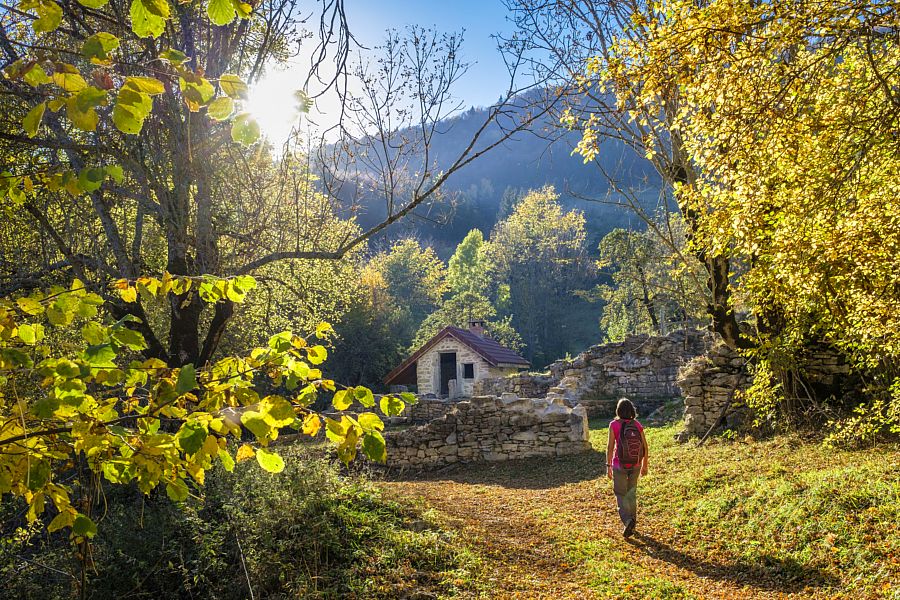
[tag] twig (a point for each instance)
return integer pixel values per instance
(43, 566)
(244, 565)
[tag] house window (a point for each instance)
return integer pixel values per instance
(468, 371)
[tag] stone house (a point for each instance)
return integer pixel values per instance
(450, 363)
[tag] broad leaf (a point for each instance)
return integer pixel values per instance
(177, 490)
(187, 379)
(90, 179)
(373, 446)
(145, 85)
(244, 452)
(312, 423)
(191, 437)
(256, 423)
(102, 356)
(391, 406)
(269, 461)
(97, 47)
(277, 411)
(32, 120)
(371, 422)
(49, 14)
(233, 85)
(364, 396)
(27, 334)
(221, 12)
(84, 527)
(147, 19)
(132, 107)
(227, 460)
(70, 82)
(172, 56)
(342, 400)
(220, 108)
(196, 91)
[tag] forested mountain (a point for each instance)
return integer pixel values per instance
(484, 191)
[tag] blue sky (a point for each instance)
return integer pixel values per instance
(487, 78)
(271, 98)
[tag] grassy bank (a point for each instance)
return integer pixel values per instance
(779, 516)
(734, 519)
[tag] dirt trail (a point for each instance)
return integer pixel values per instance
(548, 529)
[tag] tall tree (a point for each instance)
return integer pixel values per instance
(539, 251)
(653, 286)
(467, 268)
(130, 116)
(800, 182)
(586, 47)
(417, 280)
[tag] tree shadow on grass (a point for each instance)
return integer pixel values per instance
(769, 573)
(538, 473)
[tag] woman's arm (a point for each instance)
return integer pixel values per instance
(644, 462)
(610, 441)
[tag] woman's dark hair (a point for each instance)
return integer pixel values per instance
(625, 409)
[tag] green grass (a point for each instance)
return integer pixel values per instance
(790, 514)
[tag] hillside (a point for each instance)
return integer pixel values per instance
(486, 189)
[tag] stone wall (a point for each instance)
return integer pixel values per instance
(709, 383)
(428, 409)
(716, 379)
(488, 428)
(641, 368)
(524, 385)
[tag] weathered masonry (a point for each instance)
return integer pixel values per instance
(641, 368)
(488, 428)
(450, 363)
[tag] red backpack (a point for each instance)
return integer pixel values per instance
(630, 445)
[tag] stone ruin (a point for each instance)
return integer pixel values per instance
(642, 368)
(490, 428)
(530, 414)
(712, 385)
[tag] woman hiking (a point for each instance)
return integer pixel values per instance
(626, 460)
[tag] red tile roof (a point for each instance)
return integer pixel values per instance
(487, 348)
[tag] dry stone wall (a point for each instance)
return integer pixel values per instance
(712, 384)
(428, 409)
(641, 368)
(488, 428)
(524, 385)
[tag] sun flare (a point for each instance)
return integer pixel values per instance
(272, 101)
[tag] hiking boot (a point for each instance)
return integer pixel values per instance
(629, 529)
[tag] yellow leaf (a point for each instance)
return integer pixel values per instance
(64, 519)
(245, 452)
(312, 424)
(211, 445)
(129, 294)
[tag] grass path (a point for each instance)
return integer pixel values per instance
(547, 528)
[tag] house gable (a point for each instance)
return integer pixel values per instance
(493, 353)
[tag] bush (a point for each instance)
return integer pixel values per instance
(306, 532)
